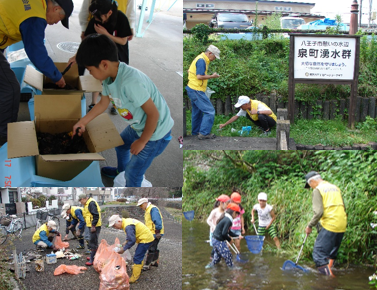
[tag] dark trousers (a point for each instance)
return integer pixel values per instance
(326, 247)
(93, 242)
(264, 121)
(9, 95)
(153, 247)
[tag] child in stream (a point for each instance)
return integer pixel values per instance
(222, 234)
(218, 209)
(266, 217)
(238, 223)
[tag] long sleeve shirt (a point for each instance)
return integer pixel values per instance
(131, 237)
(93, 210)
(222, 232)
(80, 217)
(212, 219)
(156, 218)
(317, 208)
(43, 237)
(33, 34)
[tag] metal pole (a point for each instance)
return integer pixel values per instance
(361, 13)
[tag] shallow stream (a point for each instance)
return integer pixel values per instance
(262, 271)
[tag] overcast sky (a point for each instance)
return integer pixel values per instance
(330, 8)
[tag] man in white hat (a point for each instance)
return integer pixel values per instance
(203, 112)
(44, 235)
(153, 220)
(330, 219)
(258, 112)
(136, 232)
(75, 217)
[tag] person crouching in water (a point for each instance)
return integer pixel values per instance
(222, 235)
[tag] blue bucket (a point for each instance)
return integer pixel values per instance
(189, 215)
(254, 243)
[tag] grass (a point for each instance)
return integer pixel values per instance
(307, 132)
(227, 130)
(176, 213)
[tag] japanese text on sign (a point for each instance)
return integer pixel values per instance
(8, 179)
(324, 58)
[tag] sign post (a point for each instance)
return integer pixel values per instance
(324, 59)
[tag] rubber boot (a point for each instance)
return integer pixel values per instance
(155, 258)
(136, 271)
(325, 270)
(92, 254)
(148, 261)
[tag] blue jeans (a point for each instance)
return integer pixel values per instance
(140, 251)
(203, 113)
(135, 166)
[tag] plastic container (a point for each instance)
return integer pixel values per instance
(51, 259)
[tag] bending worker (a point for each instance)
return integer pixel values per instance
(153, 220)
(330, 218)
(92, 216)
(136, 232)
(258, 112)
(76, 215)
(203, 112)
(26, 21)
(44, 236)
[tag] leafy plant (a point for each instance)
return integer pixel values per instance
(201, 32)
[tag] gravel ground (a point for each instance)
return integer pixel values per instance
(167, 276)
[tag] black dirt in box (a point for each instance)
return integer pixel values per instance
(61, 143)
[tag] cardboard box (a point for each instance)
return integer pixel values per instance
(84, 83)
(57, 114)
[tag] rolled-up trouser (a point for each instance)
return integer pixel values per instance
(326, 247)
(9, 95)
(221, 251)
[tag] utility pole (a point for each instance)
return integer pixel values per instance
(361, 13)
(370, 12)
(353, 20)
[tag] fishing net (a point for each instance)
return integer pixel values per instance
(189, 215)
(254, 243)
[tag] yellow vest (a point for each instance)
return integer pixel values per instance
(142, 233)
(42, 228)
(334, 217)
(73, 209)
(194, 83)
(13, 13)
(88, 216)
(254, 106)
(148, 220)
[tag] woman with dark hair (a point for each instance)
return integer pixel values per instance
(222, 234)
(108, 20)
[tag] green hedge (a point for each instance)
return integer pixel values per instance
(261, 66)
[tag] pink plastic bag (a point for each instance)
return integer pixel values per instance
(59, 244)
(114, 274)
(103, 254)
(70, 269)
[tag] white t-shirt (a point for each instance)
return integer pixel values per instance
(264, 215)
(243, 113)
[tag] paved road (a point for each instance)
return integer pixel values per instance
(158, 54)
(167, 276)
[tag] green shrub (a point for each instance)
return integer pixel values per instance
(125, 214)
(36, 202)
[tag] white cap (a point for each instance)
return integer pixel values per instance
(214, 50)
(262, 196)
(242, 100)
(66, 206)
(52, 225)
(64, 214)
(141, 201)
(113, 219)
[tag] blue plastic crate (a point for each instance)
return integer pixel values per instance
(21, 173)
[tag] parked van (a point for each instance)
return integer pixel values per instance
(230, 21)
